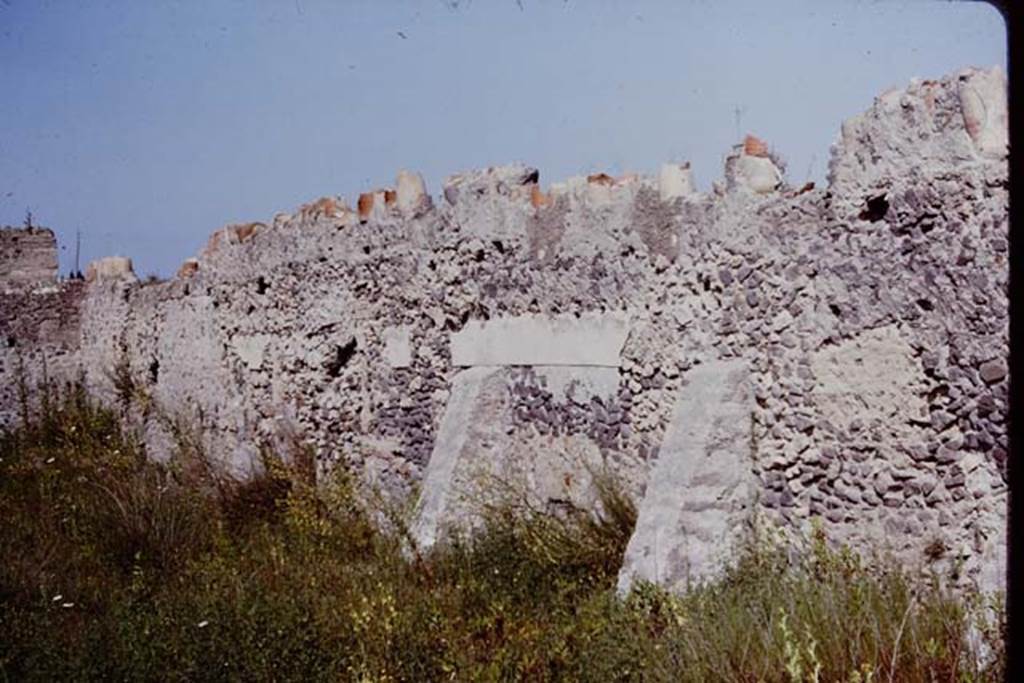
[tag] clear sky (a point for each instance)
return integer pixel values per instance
(149, 124)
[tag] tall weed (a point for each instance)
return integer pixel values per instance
(119, 568)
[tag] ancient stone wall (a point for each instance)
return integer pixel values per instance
(39, 317)
(765, 351)
(28, 258)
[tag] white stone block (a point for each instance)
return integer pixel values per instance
(110, 268)
(758, 174)
(675, 180)
(398, 346)
(984, 105)
(700, 491)
(590, 340)
(412, 193)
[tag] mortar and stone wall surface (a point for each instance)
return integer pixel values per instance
(28, 258)
(757, 352)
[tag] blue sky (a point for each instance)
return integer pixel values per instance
(147, 125)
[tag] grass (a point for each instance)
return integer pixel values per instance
(119, 568)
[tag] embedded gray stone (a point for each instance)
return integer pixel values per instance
(993, 371)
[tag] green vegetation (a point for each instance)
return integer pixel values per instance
(118, 568)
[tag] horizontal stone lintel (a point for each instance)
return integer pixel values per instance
(593, 340)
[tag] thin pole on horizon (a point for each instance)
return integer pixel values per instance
(810, 167)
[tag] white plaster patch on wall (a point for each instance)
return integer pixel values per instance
(590, 340)
(874, 373)
(251, 349)
(398, 346)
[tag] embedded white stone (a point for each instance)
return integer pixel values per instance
(398, 346)
(758, 174)
(251, 349)
(541, 340)
(412, 193)
(984, 105)
(675, 180)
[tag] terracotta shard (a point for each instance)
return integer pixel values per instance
(365, 205)
(213, 242)
(538, 198)
(188, 268)
(929, 96)
(806, 187)
(754, 147)
(245, 231)
(281, 219)
(325, 207)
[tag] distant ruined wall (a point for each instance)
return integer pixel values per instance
(39, 316)
(760, 351)
(28, 258)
